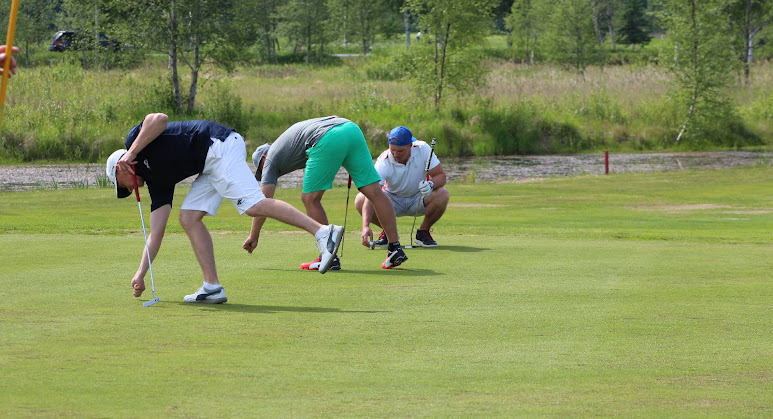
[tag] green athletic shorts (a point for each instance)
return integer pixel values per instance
(343, 145)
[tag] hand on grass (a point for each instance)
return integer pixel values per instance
(250, 244)
(138, 284)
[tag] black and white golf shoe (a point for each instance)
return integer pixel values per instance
(424, 239)
(328, 246)
(203, 296)
(395, 256)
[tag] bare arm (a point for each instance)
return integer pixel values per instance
(367, 213)
(257, 222)
(437, 176)
(153, 125)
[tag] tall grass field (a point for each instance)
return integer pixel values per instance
(58, 111)
(636, 295)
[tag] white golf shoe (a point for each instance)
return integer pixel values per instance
(216, 296)
(328, 246)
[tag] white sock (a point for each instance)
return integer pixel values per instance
(321, 232)
(210, 287)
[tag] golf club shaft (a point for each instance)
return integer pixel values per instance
(145, 235)
(418, 202)
(346, 214)
(147, 251)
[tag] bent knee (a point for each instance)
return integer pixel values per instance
(442, 194)
(189, 218)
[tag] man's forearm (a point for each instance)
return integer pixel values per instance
(367, 210)
(153, 125)
(257, 225)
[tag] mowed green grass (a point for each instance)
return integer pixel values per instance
(632, 295)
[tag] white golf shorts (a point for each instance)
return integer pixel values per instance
(225, 175)
(406, 206)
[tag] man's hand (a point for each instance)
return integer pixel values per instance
(250, 244)
(367, 236)
(138, 284)
(128, 160)
(426, 187)
(3, 55)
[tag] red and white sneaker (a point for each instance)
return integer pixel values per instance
(314, 265)
(395, 257)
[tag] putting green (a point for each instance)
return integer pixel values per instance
(633, 295)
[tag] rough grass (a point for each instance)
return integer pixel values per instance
(631, 295)
(60, 112)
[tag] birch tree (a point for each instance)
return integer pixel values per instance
(445, 61)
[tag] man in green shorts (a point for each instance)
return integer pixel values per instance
(322, 146)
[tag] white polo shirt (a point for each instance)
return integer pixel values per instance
(403, 179)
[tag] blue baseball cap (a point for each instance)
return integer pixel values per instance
(401, 136)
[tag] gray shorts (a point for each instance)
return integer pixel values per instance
(406, 206)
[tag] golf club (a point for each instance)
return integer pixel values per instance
(346, 214)
(147, 249)
(418, 202)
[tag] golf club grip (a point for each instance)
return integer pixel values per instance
(350, 182)
(136, 189)
(431, 151)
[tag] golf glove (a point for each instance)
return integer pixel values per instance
(426, 187)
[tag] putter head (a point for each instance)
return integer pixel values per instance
(151, 302)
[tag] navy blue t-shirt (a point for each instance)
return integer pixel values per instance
(178, 153)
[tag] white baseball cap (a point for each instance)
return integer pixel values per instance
(112, 161)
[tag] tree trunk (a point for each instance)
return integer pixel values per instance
(173, 58)
(364, 32)
(308, 43)
(439, 95)
(345, 26)
(694, 57)
(596, 27)
(611, 23)
(96, 33)
(194, 76)
(748, 44)
(435, 70)
(407, 23)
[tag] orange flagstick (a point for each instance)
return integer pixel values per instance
(8, 55)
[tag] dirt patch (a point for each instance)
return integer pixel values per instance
(674, 209)
(468, 205)
(747, 212)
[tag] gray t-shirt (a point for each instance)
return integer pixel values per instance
(288, 152)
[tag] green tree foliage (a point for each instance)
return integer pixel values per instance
(702, 62)
(748, 18)
(636, 25)
(305, 22)
(255, 22)
(446, 61)
(570, 36)
(363, 20)
(527, 22)
(34, 23)
(188, 31)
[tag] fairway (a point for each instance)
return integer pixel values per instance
(631, 295)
